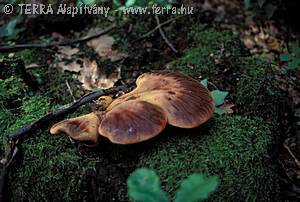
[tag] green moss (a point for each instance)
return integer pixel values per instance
(208, 46)
(10, 89)
(257, 91)
(235, 148)
(27, 56)
(47, 166)
(49, 169)
(53, 81)
(220, 57)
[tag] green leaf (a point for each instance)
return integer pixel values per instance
(283, 71)
(296, 50)
(246, 2)
(82, 3)
(95, 89)
(196, 187)
(263, 55)
(219, 96)
(36, 75)
(121, 8)
(130, 3)
(204, 82)
(4, 2)
(116, 3)
(269, 9)
(297, 113)
(143, 185)
(142, 3)
(9, 28)
(254, 11)
(39, 80)
(89, 2)
(219, 111)
(294, 64)
(261, 3)
(79, 4)
(286, 57)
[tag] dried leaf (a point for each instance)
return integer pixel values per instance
(72, 67)
(227, 108)
(273, 44)
(92, 77)
(294, 94)
(103, 46)
(32, 65)
(56, 35)
(113, 55)
(248, 42)
(66, 52)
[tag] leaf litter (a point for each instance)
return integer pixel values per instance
(92, 77)
(66, 59)
(74, 66)
(66, 52)
(102, 45)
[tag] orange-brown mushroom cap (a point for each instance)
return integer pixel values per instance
(160, 97)
(186, 102)
(133, 121)
(83, 128)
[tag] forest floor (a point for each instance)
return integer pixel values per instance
(236, 61)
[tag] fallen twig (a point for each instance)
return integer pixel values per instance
(2, 181)
(10, 153)
(65, 109)
(70, 91)
(60, 43)
(291, 153)
(211, 83)
(164, 36)
(157, 27)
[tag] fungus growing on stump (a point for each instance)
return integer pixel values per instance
(160, 97)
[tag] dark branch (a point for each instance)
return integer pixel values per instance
(164, 36)
(157, 27)
(2, 181)
(60, 43)
(64, 110)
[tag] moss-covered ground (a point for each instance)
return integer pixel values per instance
(237, 147)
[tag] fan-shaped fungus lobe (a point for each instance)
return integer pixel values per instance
(160, 97)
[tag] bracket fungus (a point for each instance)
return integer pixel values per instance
(160, 97)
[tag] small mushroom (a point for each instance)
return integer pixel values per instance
(160, 97)
(83, 128)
